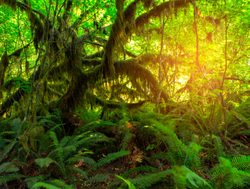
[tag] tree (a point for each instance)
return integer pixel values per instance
(79, 52)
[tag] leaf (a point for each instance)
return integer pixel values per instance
(98, 178)
(44, 185)
(30, 181)
(44, 162)
(8, 167)
(146, 181)
(7, 149)
(10, 177)
(111, 157)
(186, 177)
(55, 184)
(128, 182)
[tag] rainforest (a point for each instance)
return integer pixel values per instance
(125, 94)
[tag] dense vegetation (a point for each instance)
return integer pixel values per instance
(125, 94)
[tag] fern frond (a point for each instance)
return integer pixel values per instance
(89, 161)
(241, 162)
(186, 178)
(218, 146)
(44, 162)
(10, 177)
(126, 139)
(144, 169)
(192, 155)
(92, 126)
(111, 157)
(98, 178)
(88, 139)
(128, 182)
(55, 184)
(146, 181)
(226, 176)
(177, 149)
(7, 149)
(58, 152)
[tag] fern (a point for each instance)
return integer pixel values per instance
(111, 157)
(147, 169)
(186, 178)
(94, 125)
(160, 156)
(88, 139)
(166, 134)
(44, 162)
(218, 146)
(241, 162)
(177, 149)
(192, 155)
(91, 162)
(128, 136)
(98, 178)
(146, 181)
(58, 152)
(226, 176)
(8, 167)
(10, 177)
(30, 181)
(55, 184)
(128, 182)
(7, 150)
(69, 149)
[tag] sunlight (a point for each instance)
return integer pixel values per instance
(183, 79)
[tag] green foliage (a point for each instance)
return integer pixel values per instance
(10, 177)
(44, 162)
(146, 181)
(128, 182)
(154, 91)
(19, 82)
(178, 152)
(54, 184)
(7, 149)
(70, 149)
(111, 157)
(241, 162)
(94, 125)
(140, 169)
(128, 136)
(226, 176)
(186, 178)
(98, 178)
(218, 146)
(8, 167)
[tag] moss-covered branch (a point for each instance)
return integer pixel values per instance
(158, 10)
(118, 35)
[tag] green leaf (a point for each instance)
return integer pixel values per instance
(8, 167)
(146, 181)
(44, 185)
(55, 184)
(128, 182)
(10, 177)
(44, 162)
(7, 149)
(111, 157)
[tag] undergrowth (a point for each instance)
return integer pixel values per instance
(141, 149)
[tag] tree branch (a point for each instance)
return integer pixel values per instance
(157, 11)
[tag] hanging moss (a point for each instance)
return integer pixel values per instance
(158, 10)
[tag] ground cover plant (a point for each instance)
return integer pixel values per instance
(138, 94)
